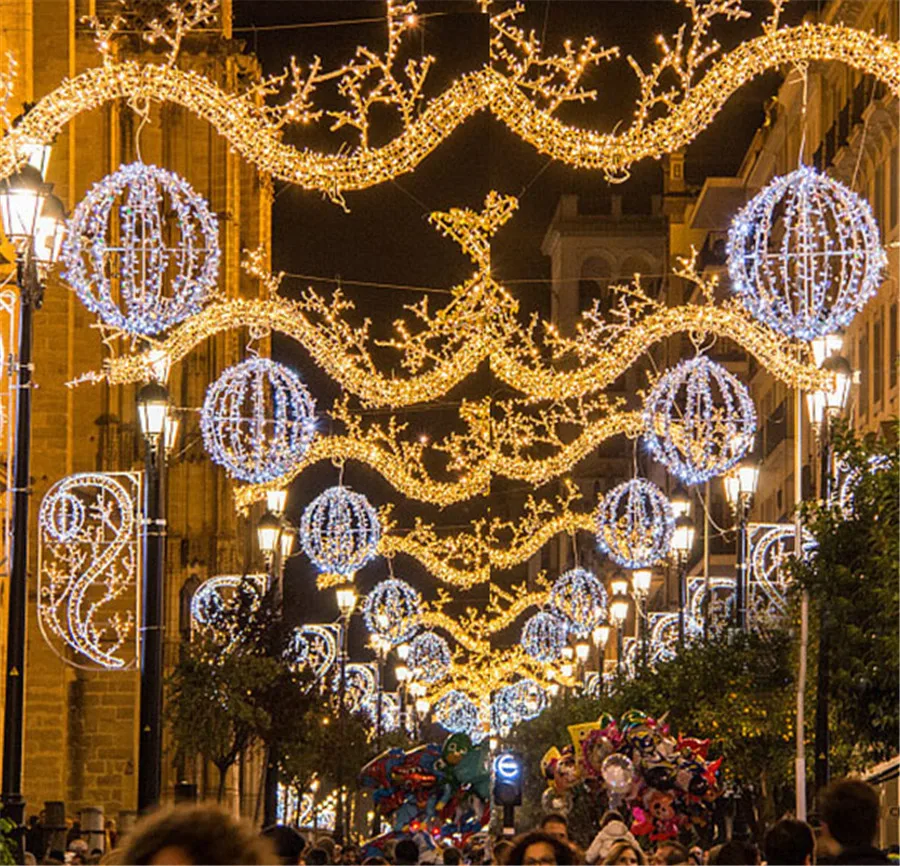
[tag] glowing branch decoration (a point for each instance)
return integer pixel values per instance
(258, 420)
(805, 255)
(89, 557)
(143, 261)
(635, 524)
(699, 420)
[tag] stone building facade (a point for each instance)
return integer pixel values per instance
(81, 727)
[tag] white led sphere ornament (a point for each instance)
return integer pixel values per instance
(340, 531)
(429, 657)
(805, 254)
(699, 420)
(581, 598)
(142, 250)
(544, 635)
(458, 713)
(258, 420)
(634, 524)
(392, 610)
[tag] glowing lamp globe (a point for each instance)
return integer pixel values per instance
(142, 250)
(805, 254)
(258, 420)
(699, 420)
(339, 532)
(634, 524)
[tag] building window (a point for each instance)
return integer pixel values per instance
(879, 197)
(877, 360)
(892, 347)
(863, 365)
(895, 187)
(596, 276)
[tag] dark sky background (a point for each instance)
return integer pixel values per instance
(385, 237)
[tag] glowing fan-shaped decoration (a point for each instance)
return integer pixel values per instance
(213, 598)
(162, 263)
(340, 531)
(699, 420)
(257, 420)
(458, 713)
(634, 524)
(429, 657)
(392, 610)
(544, 636)
(805, 254)
(581, 598)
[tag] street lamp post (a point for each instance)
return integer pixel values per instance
(641, 580)
(153, 412)
(824, 406)
(682, 544)
(600, 637)
(740, 488)
(618, 613)
(33, 222)
(345, 595)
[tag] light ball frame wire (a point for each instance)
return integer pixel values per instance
(392, 610)
(805, 254)
(580, 597)
(258, 420)
(340, 532)
(699, 420)
(634, 523)
(159, 284)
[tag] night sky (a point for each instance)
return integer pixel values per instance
(385, 237)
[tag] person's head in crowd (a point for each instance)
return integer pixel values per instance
(451, 856)
(327, 843)
(349, 855)
(500, 851)
(850, 813)
(318, 857)
(288, 843)
(670, 853)
(375, 861)
(735, 853)
(789, 843)
(196, 834)
(539, 849)
(406, 853)
(625, 854)
(555, 824)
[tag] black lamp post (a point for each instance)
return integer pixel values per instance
(641, 579)
(682, 544)
(153, 411)
(618, 613)
(740, 488)
(345, 595)
(824, 406)
(33, 222)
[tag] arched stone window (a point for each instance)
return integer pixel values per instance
(596, 277)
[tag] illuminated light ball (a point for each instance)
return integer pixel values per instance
(458, 713)
(581, 598)
(544, 636)
(429, 657)
(634, 524)
(162, 266)
(340, 531)
(519, 702)
(699, 420)
(618, 773)
(805, 254)
(392, 610)
(258, 420)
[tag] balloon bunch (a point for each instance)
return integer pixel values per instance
(667, 783)
(443, 791)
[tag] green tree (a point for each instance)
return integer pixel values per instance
(852, 578)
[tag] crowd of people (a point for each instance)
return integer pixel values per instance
(205, 834)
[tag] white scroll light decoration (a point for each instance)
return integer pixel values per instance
(429, 657)
(699, 420)
(164, 259)
(322, 643)
(392, 610)
(216, 595)
(805, 254)
(258, 420)
(718, 609)
(360, 685)
(89, 560)
(458, 713)
(634, 524)
(544, 636)
(848, 477)
(662, 637)
(770, 545)
(339, 532)
(581, 598)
